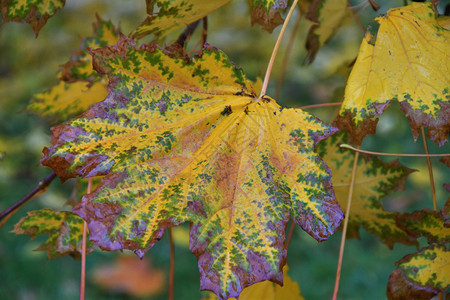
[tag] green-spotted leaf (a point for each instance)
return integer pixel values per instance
(168, 15)
(188, 141)
(445, 210)
(33, 12)
(327, 17)
(374, 180)
(64, 228)
(79, 86)
(404, 57)
(421, 275)
(267, 13)
(426, 223)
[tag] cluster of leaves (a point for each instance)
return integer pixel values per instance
(187, 139)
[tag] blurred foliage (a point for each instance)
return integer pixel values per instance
(29, 66)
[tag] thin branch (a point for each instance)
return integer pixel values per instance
(374, 5)
(391, 154)
(275, 50)
(356, 17)
(291, 231)
(344, 230)
(321, 105)
(172, 265)
(186, 34)
(204, 32)
(287, 54)
(43, 184)
(430, 169)
(83, 251)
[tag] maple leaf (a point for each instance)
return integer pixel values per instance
(267, 13)
(130, 275)
(426, 223)
(421, 275)
(327, 16)
(33, 12)
(268, 290)
(172, 15)
(410, 65)
(188, 141)
(375, 179)
(79, 86)
(64, 228)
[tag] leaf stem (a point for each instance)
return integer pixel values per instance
(42, 185)
(430, 169)
(287, 54)
(320, 105)
(291, 231)
(392, 154)
(187, 33)
(275, 50)
(344, 230)
(83, 251)
(172, 265)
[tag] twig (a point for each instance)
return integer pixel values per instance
(391, 154)
(291, 231)
(275, 50)
(320, 105)
(83, 251)
(374, 5)
(344, 230)
(204, 32)
(186, 34)
(356, 17)
(287, 54)
(430, 169)
(172, 265)
(4, 215)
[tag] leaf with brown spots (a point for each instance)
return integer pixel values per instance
(33, 12)
(426, 223)
(267, 13)
(421, 275)
(187, 140)
(404, 57)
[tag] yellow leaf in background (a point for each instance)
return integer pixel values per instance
(66, 98)
(375, 179)
(64, 228)
(181, 236)
(268, 290)
(404, 56)
(79, 86)
(165, 17)
(326, 16)
(444, 21)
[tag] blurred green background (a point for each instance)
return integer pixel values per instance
(29, 66)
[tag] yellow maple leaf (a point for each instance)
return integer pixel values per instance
(404, 56)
